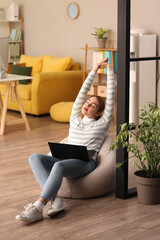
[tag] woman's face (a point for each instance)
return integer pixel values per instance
(90, 108)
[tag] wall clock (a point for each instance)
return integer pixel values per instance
(73, 10)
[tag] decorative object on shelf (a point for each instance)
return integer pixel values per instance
(73, 10)
(100, 35)
(148, 155)
(13, 12)
(2, 13)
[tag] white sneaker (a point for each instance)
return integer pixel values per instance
(57, 206)
(31, 214)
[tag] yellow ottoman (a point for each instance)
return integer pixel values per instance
(61, 112)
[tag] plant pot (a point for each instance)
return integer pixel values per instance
(101, 42)
(148, 189)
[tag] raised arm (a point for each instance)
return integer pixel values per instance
(109, 106)
(81, 98)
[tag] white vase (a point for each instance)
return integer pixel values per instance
(13, 12)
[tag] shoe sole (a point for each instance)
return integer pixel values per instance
(56, 211)
(27, 220)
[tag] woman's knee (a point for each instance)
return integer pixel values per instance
(58, 166)
(36, 157)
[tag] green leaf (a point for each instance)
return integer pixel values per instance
(118, 165)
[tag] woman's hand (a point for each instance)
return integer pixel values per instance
(102, 64)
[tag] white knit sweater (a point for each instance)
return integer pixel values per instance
(90, 132)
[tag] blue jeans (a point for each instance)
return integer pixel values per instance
(49, 172)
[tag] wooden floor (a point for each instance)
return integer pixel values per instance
(103, 218)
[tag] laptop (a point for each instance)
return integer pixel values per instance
(68, 151)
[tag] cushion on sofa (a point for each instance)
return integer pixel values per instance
(24, 91)
(75, 66)
(34, 62)
(53, 64)
(20, 70)
(61, 112)
(17, 64)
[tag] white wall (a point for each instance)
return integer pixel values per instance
(48, 29)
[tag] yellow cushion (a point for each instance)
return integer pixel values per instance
(53, 64)
(61, 112)
(34, 62)
(23, 90)
(75, 66)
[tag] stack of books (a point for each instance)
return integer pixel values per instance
(14, 46)
(15, 35)
(14, 52)
(98, 55)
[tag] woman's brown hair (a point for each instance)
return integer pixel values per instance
(101, 105)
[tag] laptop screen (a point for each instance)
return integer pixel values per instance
(69, 151)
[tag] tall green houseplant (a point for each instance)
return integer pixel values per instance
(148, 134)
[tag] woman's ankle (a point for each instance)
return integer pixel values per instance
(42, 200)
(40, 204)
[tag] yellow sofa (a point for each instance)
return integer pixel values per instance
(47, 86)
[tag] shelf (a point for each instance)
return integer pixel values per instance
(99, 84)
(8, 21)
(12, 26)
(15, 61)
(15, 41)
(99, 49)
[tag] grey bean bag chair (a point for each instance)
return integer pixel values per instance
(99, 182)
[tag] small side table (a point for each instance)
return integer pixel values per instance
(11, 82)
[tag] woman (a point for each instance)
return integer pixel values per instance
(89, 131)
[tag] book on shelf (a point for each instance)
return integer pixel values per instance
(101, 56)
(94, 60)
(98, 55)
(15, 35)
(115, 61)
(14, 52)
(107, 54)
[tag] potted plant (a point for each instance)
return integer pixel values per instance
(100, 33)
(147, 152)
(2, 15)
